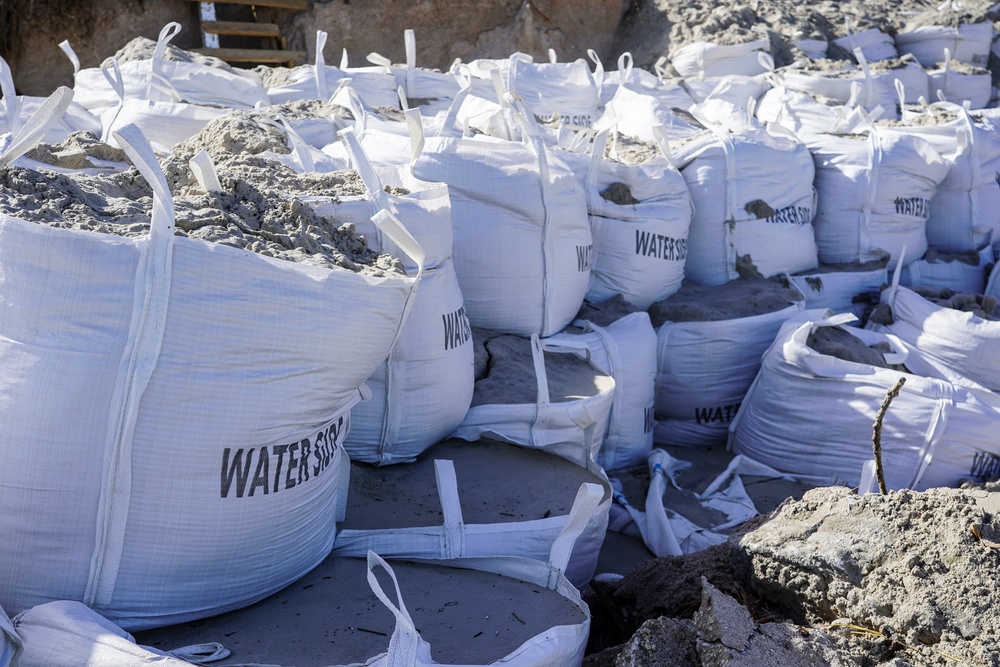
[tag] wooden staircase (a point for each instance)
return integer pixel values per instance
(274, 47)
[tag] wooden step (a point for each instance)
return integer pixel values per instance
(241, 28)
(278, 4)
(252, 55)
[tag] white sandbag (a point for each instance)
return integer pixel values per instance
(966, 273)
(842, 291)
(965, 210)
(799, 113)
(572, 427)
(968, 43)
(741, 212)
(15, 110)
(963, 341)
(703, 370)
(65, 633)
(874, 44)
(906, 72)
(163, 123)
(423, 389)
(635, 114)
(667, 532)
(640, 246)
(566, 89)
(740, 91)
(608, 82)
(375, 85)
(178, 382)
(162, 80)
(961, 84)
(814, 49)
(429, 91)
(874, 190)
(10, 643)
(851, 85)
(523, 246)
(493, 499)
(625, 350)
(810, 415)
(703, 60)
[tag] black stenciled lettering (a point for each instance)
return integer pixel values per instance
(791, 215)
(722, 414)
(457, 330)
(648, 420)
(985, 467)
(917, 207)
(279, 451)
(648, 244)
(305, 447)
(237, 468)
(293, 463)
(260, 476)
(584, 254)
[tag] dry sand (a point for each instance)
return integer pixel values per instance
(733, 300)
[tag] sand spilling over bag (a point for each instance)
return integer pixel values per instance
(741, 212)
(640, 216)
(169, 361)
(625, 350)
(709, 342)
(842, 288)
(477, 499)
(475, 611)
(553, 401)
(962, 272)
(960, 331)
(937, 432)
(80, 150)
(918, 566)
(243, 216)
(423, 389)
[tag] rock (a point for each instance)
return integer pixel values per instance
(661, 642)
(775, 644)
(722, 619)
(446, 31)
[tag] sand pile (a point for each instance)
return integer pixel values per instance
(77, 152)
(261, 221)
(142, 48)
(836, 342)
(730, 301)
(903, 579)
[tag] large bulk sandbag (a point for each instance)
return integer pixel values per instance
(810, 414)
(842, 288)
(376, 86)
(562, 407)
(423, 389)
(968, 43)
(965, 272)
(800, 113)
(965, 210)
(963, 341)
(625, 350)
(65, 633)
(544, 622)
(704, 60)
(709, 353)
(200, 423)
(740, 91)
(15, 110)
(635, 113)
(166, 80)
(742, 213)
(566, 89)
(960, 83)
(523, 246)
(430, 91)
(163, 123)
(841, 82)
(477, 499)
(874, 44)
(640, 215)
(874, 190)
